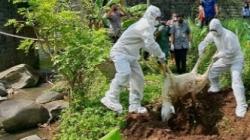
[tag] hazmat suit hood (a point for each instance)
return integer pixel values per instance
(215, 27)
(151, 15)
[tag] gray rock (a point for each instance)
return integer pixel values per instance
(33, 137)
(3, 98)
(55, 108)
(49, 96)
(19, 76)
(3, 91)
(21, 114)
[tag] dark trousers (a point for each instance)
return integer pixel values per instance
(206, 21)
(180, 60)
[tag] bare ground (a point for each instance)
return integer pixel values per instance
(210, 118)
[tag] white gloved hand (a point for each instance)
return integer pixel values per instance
(217, 56)
(162, 60)
(172, 47)
(189, 45)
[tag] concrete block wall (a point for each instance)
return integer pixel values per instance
(9, 55)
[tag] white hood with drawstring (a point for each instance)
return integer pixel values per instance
(140, 35)
(226, 42)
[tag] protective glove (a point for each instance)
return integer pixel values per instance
(162, 60)
(189, 45)
(172, 47)
(217, 56)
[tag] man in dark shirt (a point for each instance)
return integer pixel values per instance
(210, 8)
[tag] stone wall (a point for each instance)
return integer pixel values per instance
(9, 55)
(228, 8)
(169, 6)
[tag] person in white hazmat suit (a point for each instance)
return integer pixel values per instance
(228, 57)
(125, 55)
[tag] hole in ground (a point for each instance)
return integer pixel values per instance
(200, 118)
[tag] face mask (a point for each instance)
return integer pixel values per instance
(180, 21)
(157, 21)
(215, 33)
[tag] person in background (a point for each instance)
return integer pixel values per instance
(114, 15)
(211, 10)
(173, 20)
(180, 43)
(201, 16)
(170, 23)
(245, 11)
(228, 57)
(162, 37)
(125, 55)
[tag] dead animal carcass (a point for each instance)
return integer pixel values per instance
(176, 86)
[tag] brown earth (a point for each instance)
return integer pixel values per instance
(211, 118)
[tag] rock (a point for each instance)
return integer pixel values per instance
(19, 76)
(49, 96)
(55, 108)
(3, 91)
(33, 137)
(3, 98)
(20, 114)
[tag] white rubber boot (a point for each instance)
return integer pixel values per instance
(137, 109)
(240, 111)
(112, 104)
(214, 89)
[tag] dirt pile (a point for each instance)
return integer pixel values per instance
(211, 117)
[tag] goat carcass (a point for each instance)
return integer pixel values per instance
(176, 86)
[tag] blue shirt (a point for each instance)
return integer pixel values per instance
(209, 7)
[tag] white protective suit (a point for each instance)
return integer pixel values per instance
(125, 55)
(228, 57)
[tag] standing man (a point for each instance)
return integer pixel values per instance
(228, 57)
(162, 37)
(245, 12)
(180, 43)
(210, 8)
(114, 16)
(125, 55)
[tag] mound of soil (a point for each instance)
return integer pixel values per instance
(211, 117)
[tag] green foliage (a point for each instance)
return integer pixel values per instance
(91, 123)
(115, 134)
(135, 13)
(89, 120)
(137, 9)
(24, 44)
(74, 48)
(82, 55)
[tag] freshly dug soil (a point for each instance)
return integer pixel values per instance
(210, 117)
